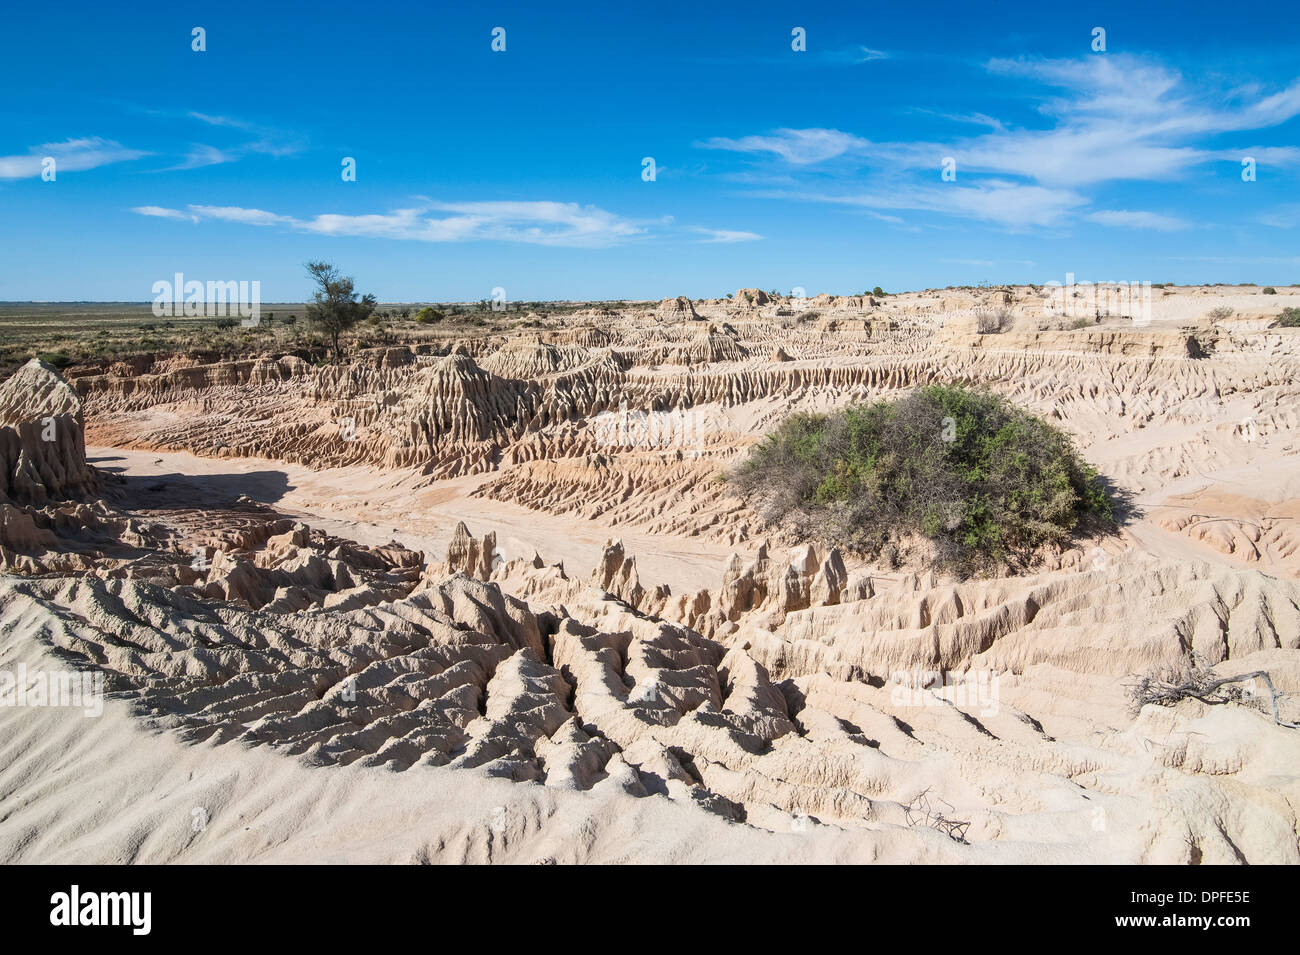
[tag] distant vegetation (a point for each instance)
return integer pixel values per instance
(92, 335)
(985, 482)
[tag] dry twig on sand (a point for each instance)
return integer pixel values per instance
(920, 812)
(1167, 687)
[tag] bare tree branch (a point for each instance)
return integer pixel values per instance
(1197, 682)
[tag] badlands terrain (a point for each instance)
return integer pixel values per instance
(485, 595)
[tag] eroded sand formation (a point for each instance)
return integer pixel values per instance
(487, 599)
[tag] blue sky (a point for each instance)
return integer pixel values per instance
(522, 169)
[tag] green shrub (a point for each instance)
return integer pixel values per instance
(1269, 290)
(986, 482)
(429, 316)
(58, 359)
(1290, 318)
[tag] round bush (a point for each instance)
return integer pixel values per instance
(986, 482)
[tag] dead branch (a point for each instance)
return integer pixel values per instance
(1200, 683)
(919, 811)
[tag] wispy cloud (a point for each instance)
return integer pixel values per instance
(1138, 220)
(853, 55)
(727, 235)
(266, 141)
(537, 223)
(800, 147)
(71, 155)
(1108, 118)
(161, 212)
(240, 214)
(529, 222)
(1010, 204)
(220, 120)
(201, 155)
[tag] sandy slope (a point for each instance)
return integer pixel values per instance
(1055, 772)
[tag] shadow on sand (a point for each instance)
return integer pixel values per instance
(174, 491)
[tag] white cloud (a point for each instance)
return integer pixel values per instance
(543, 223)
(854, 54)
(219, 120)
(1122, 117)
(727, 235)
(71, 155)
(1137, 220)
(201, 155)
(538, 223)
(797, 146)
(1011, 204)
(240, 214)
(1109, 118)
(529, 222)
(161, 212)
(270, 141)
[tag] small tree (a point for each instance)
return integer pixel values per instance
(335, 306)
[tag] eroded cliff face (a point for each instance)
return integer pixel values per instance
(42, 442)
(824, 700)
(801, 691)
(630, 417)
(58, 515)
